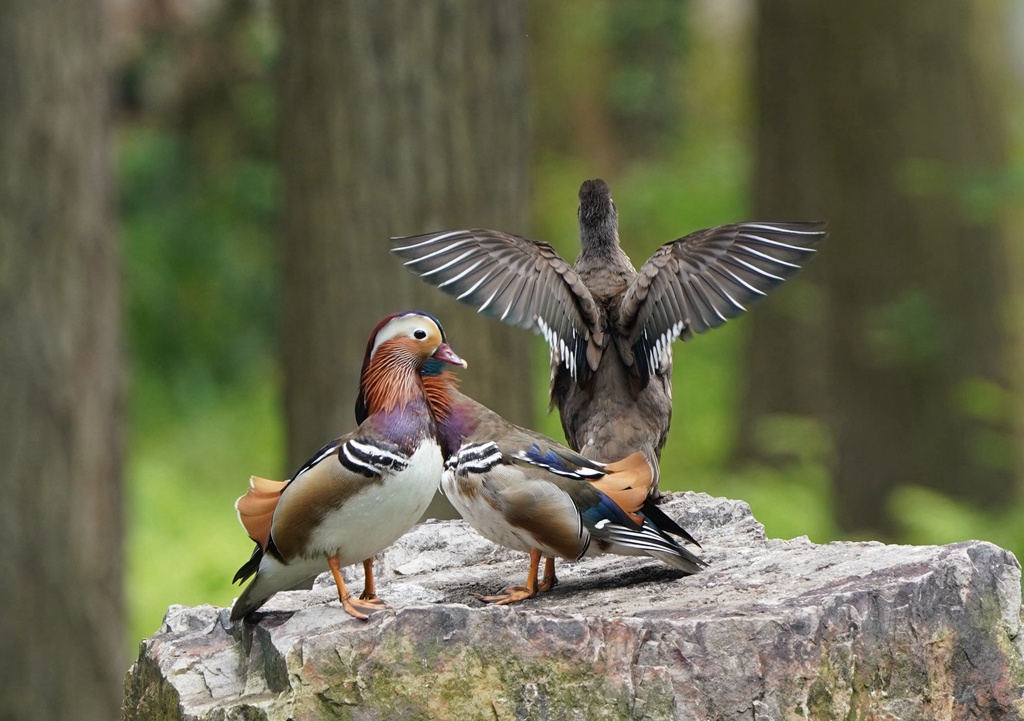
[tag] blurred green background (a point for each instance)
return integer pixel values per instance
(199, 201)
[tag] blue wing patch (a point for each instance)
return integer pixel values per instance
(558, 465)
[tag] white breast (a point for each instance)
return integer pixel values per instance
(482, 504)
(482, 515)
(374, 518)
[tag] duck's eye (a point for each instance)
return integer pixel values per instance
(419, 334)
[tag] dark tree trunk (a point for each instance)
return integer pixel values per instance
(396, 118)
(887, 120)
(60, 441)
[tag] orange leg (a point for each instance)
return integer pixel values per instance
(550, 580)
(369, 593)
(354, 607)
(518, 593)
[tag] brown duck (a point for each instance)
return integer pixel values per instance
(609, 327)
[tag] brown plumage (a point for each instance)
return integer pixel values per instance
(360, 492)
(526, 491)
(610, 328)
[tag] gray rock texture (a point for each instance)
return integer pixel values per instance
(773, 630)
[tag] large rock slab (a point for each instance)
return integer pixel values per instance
(773, 630)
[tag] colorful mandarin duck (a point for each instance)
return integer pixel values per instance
(610, 328)
(529, 493)
(359, 493)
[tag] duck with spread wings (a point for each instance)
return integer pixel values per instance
(610, 327)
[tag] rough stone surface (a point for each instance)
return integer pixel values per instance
(773, 630)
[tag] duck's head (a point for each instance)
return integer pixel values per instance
(411, 335)
(407, 341)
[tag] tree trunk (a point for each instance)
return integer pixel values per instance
(396, 117)
(60, 441)
(887, 120)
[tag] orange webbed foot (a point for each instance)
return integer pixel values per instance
(521, 593)
(368, 598)
(510, 595)
(367, 603)
(361, 609)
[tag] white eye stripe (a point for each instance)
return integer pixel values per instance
(406, 326)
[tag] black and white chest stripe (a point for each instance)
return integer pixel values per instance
(372, 458)
(359, 455)
(474, 458)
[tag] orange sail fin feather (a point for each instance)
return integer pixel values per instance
(627, 483)
(256, 508)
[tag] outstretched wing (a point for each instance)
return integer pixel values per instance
(704, 279)
(518, 281)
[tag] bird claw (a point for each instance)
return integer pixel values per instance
(370, 599)
(547, 583)
(510, 595)
(359, 608)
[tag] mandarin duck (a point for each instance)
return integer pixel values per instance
(360, 492)
(525, 491)
(609, 327)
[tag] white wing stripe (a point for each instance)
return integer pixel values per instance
(742, 282)
(440, 251)
(767, 257)
(777, 244)
(476, 285)
(582, 472)
(428, 241)
(722, 291)
(470, 269)
(757, 270)
(450, 263)
(779, 229)
(702, 293)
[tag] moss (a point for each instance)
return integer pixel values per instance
(433, 680)
(147, 697)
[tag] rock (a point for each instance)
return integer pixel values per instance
(773, 630)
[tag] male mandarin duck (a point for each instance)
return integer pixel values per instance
(610, 328)
(359, 493)
(527, 492)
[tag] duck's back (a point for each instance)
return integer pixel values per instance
(608, 415)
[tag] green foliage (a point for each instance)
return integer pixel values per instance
(198, 203)
(931, 517)
(905, 332)
(198, 258)
(186, 466)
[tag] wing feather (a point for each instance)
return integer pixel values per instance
(706, 278)
(521, 282)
